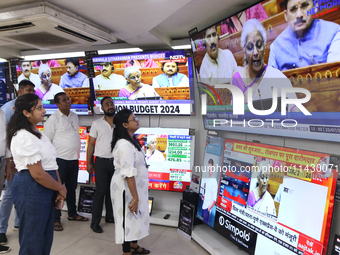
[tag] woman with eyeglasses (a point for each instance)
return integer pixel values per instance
(151, 153)
(135, 89)
(47, 89)
(256, 76)
(129, 185)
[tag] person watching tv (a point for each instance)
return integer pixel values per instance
(171, 77)
(107, 79)
(73, 78)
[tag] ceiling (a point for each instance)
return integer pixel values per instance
(147, 24)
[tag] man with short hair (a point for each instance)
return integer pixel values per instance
(306, 41)
(107, 79)
(171, 77)
(217, 65)
(100, 147)
(73, 78)
(62, 128)
(25, 87)
(26, 69)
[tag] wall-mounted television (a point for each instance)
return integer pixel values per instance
(164, 86)
(52, 76)
(83, 175)
(268, 199)
(268, 47)
(169, 154)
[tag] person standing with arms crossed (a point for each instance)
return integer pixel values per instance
(100, 146)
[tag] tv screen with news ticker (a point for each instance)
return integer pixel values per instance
(166, 84)
(55, 75)
(267, 199)
(169, 155)
(295, 46)
(83, 175)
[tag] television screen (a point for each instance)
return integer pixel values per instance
(169, 156)
(163, 84)
(267, 199)
(52, 76)
(267, 70)
(83, 175)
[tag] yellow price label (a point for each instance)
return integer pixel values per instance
(300, 173)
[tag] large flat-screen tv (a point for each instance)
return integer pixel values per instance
(83, 175)
(52, 76)
(169, 154)
(289, 49)
(164, 86)
(267, 199)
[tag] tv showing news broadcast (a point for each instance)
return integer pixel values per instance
(272, 69)
(83, 175)
(157, 82)
(52, 76)
(267, 199)
(169, 154)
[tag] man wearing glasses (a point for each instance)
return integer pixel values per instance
(62, 128)
(217, 65)
(306, 41)
(107, 79)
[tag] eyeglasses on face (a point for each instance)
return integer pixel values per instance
(134, 77)
(46, 76)
(304, 7)
(134, 119)
(259, 45)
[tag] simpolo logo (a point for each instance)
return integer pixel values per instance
(237, 232)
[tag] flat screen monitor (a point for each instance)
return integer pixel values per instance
(267, 52)
(83, 175)
(164, 86)
(263, 198)
(52, 76)
(169, 155)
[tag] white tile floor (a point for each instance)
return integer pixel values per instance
(78, 238)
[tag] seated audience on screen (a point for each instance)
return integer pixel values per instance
(217, 65)
(259, 198)
(306, 41)
(73, 78)
(27, 74)
(151, 153)
(50, 63)
(107, 79)
(256, 75)
(46, 90)
(135, 88)
(171, 77)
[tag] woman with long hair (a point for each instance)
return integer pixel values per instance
(34, 186)
(129, 185)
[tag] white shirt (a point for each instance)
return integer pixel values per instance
(63, 132)
(210, 193)
(102, 132)
(220, 71)
(115, 81)
(27, 149)
(33, 78)
(2, 133)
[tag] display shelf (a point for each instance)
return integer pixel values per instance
(213, 242)
(157, 218)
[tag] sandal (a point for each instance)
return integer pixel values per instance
(78, 219)
(57, 226)
(143, 251)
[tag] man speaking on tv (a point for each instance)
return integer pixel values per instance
(171, 77)
(107, 79)
(306, 41)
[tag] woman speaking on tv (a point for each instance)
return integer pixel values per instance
(135, 89)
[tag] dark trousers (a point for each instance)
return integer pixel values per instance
(68, 172)
(34, 204)
(104, 170)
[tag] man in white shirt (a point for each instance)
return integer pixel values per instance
(62, 128)
(100, 146)
(107, 79)
(26, 69)
(217, 65)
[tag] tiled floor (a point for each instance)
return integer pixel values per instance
(78, 238)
